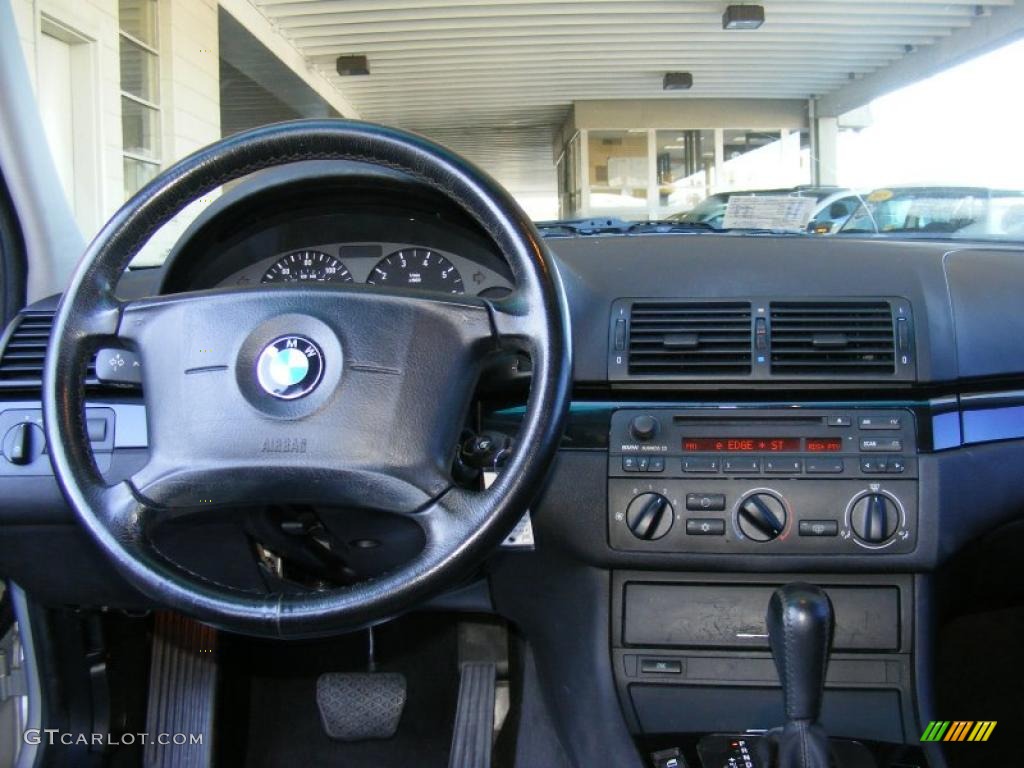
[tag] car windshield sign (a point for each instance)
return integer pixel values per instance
(781, 212)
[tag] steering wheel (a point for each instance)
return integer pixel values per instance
(339, 395)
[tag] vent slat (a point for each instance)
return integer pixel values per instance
(678, 339)
(23, 358)
(21, 361)
(821, 339)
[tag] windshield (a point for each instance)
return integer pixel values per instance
(892, 122)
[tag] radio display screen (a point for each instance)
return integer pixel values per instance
(742, 444)
(824, 444)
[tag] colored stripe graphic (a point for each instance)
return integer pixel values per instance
(935, 730)
(958, 730)
(982, 730)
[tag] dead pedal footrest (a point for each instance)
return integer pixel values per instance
(182, 690)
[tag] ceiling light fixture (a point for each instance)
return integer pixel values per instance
(352, 65)
(743, 17)
(677, 81)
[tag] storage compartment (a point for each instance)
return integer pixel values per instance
(733, 616)
(846, 713)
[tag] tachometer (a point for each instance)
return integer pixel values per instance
(417, 268)
(307, 266)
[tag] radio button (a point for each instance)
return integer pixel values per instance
(896, 466)
(705, 526)
(629, 464)
(784, 466)
(881, 444)
(880, 422)
(823, 466)
(700, 464)
(643, 427)
(710, 502)
(839, 421)
(872, 466)
(741, 465)
(657, 464)
(818, 528)
(642, 464)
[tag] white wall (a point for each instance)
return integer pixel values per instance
(190, 91)
(94, 21)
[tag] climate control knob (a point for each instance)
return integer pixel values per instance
(762, 516)
(649, 516)
(874, 517)
(643, 427)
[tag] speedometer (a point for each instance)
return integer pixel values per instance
(417, 268)
(307, 266)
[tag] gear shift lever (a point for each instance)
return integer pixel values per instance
(800, 633)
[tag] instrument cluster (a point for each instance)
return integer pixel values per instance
(403, 265)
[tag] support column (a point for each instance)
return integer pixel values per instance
(584, 211)
(826, 130)
(716, 184)
(652, 175)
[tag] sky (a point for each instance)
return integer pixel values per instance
(961, 126)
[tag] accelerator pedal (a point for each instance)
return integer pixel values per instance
(182, 688)
(473, 738)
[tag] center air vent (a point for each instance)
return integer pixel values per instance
(841, 338)
(672, 339)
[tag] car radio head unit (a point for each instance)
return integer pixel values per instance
(804, 481)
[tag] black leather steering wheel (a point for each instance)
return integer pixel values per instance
(329, 394)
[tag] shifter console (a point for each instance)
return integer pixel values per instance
(725, 750)
(791, 481)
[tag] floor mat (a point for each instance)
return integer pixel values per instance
(268, 704)
(981, 677)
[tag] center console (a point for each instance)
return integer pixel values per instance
(690, 649)
(787, 481)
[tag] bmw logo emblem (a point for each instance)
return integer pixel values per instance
(290, 367)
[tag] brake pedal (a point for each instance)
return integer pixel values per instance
(362, 705)
(358, 706)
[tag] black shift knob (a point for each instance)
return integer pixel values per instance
(800, 633)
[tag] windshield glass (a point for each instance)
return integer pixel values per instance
(896, 121)
(943, 210)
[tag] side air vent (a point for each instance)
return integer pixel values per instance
(673, 339)
(23, 356)
(835, 339)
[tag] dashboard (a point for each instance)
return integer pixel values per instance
(669, 327)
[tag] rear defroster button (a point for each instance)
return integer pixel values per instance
(818, 528)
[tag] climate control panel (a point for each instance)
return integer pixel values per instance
(796, 481)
